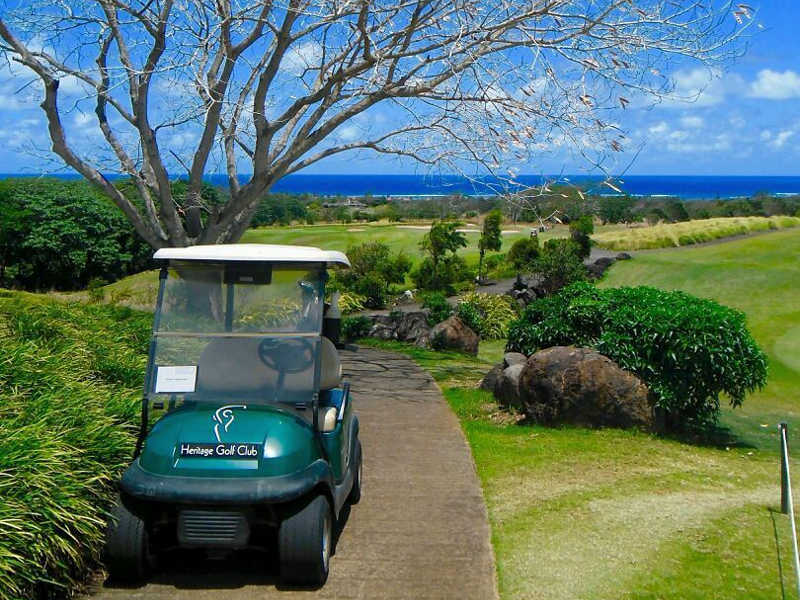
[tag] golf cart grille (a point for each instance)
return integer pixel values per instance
(212, 528)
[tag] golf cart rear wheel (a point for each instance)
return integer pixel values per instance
(355, 492)
(126, 555)
(304, 544)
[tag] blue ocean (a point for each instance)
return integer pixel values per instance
(684, 186)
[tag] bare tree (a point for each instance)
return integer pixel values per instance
(269, 87)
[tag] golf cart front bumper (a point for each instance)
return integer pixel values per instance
(142, 486)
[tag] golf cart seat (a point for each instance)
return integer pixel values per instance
(330, 375)
(231, 366)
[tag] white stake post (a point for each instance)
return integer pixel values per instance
(786, 494)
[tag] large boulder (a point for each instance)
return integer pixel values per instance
(507, 391)
(565, 384)
(413, 327)
(454, 334)
(514, 358)
(403, 326)
(491, 380)
(383, 327)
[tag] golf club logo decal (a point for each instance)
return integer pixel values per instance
(224, 416)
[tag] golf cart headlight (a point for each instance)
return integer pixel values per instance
(272, 448)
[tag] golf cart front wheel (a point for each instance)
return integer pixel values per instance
(126, 553)
(305, 540)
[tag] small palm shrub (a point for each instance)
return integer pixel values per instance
(488, 315)
(688, 350)
(470, 316)
(350, 302)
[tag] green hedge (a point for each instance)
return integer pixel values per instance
(688, 350)
(70, 384)
(62, 234)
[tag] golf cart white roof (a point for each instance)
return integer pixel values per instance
(255, 253)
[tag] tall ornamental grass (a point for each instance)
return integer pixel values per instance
(669, 235)
(70, 383)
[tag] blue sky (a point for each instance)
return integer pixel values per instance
(745, 121)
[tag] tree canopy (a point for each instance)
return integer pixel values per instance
(269, 88)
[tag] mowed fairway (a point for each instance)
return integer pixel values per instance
(609, 514)
(399, 237)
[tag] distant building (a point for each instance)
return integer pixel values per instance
(347, 203)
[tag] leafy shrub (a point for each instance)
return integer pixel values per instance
(579, 231)
(373, 269)
(559, 265)
(354, 328)
(488, 315)
(523, 252)
(439, 308)
(70, 387)
(443, 276)
(687, 350)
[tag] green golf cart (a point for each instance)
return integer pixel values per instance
(257, 444)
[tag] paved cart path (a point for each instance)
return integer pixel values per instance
(420, 530)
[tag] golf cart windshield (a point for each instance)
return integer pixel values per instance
(238, 332)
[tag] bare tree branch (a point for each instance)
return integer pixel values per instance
(271, 87)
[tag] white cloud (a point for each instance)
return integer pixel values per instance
(83, 119)
(766, 135)
(686, 144)
(702, 87)
(678, 135)
(692, 122)
(774, 85)
(348, 133)
(299, 58)
(659, 128)
(782, 137)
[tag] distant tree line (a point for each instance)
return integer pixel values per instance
(569, 202)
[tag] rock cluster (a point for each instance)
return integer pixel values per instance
(402, 326)
(565, 384)
(451, 334)
(600, 266)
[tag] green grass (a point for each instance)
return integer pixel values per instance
(399, 237)
(609, 514)
(70, 383)
(687, 233)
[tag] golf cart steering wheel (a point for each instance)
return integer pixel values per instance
(286, 356)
